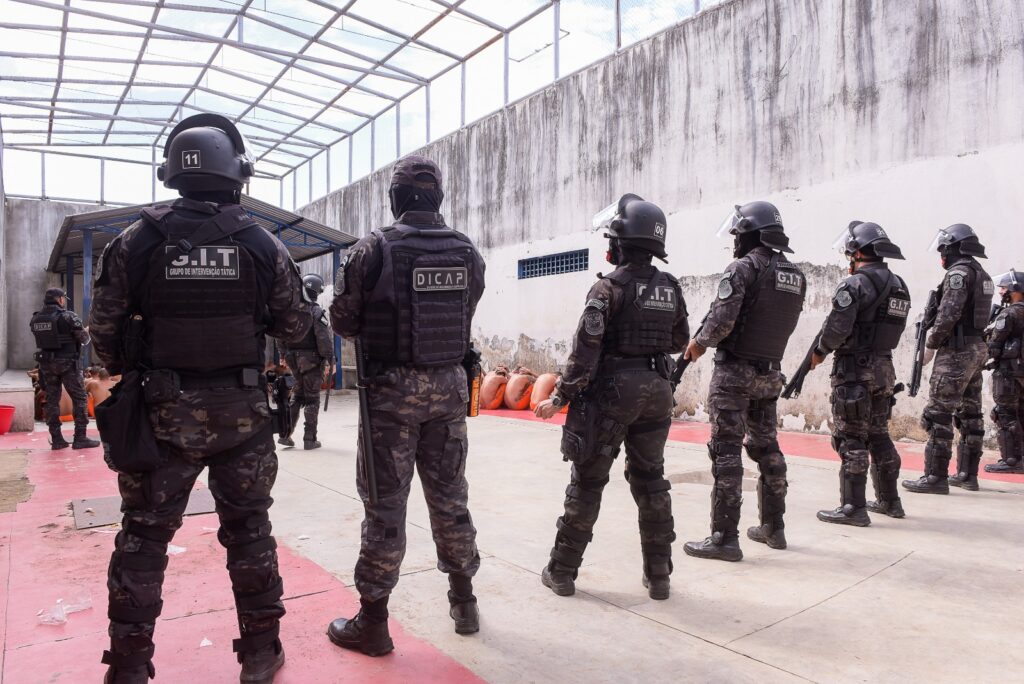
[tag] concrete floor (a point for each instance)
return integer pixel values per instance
(935, 597)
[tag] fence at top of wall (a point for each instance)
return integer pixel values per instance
(566, 37)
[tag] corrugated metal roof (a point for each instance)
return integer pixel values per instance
(304, 238)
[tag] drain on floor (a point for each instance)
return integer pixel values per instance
(704, 477)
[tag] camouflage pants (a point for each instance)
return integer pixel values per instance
(418, 423)
(66, 373)
(1008, 415)
(634, 407)
(742, 404)
(955, 398)
(229, 432)
(307, 367)
(862, 401)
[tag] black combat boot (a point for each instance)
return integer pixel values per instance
(259, 666)
(890, 507)
(464, 609)
(715, 546)
(286, 441)
(558, 580)
(83, 442)
(852, 507)
(658, 587)
(1003, 466)
(963, 477)
(57, 440)
(128, 668)
(934, 480)
(367, 632)
(310, 444)
(771, 531)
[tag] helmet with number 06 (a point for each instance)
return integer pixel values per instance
(206, 152)
(635, 222)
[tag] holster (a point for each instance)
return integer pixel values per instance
(129, 445)
(588, 434)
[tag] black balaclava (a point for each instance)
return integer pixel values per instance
(620, 253)
(214, 196)
(408, 198)
(867, 256)
(743, 243)
(950, 255)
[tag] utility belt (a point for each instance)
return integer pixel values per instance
(964, 336)
(760, 365)
(164, 385)
(659, 363)
(44, 356)
(848, 363)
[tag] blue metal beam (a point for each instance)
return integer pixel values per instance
(86, 282)
(69, 282)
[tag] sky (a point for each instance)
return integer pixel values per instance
(587, 34)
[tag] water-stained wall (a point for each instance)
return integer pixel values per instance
(905, 113)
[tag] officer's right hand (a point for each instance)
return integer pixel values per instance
(694, 351)
(545, 409)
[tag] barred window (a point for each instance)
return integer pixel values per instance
(554, 264)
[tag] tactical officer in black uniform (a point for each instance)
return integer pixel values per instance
(617, 380)
(60, 336)
(186, 296)
(310, 361)
(1005, 343)
(957, 336)
(408, 293)
(868, 317)
(759, 301)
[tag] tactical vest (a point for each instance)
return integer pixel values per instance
(53, 333)
(201, 310)
(643, 326)
(1011, 356)
(307, 343)
(769, 313)
(880, 325)
(978, 306)
(418, 312)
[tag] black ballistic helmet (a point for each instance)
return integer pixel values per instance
(205, 152)
(961, 237)
(763, 217)
(635, 222)
(868, 238)
(1011, 281)
(53, 294)
(312, 287)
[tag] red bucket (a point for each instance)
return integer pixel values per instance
(6, 417)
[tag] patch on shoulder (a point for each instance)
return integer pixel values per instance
(842, 298)
(1000, 323)
(725, 286)
(593, 323)
(598, 304)
(956, 281)
(339, 277)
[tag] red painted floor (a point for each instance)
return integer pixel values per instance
(43, 558)
(805, 444)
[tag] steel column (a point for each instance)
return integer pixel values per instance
(338, 374)
(69, 280)
(86, 283)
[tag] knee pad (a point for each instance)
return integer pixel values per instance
(726, 459)
(938, 425)
(1004, 417)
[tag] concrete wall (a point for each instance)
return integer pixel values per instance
(904, 113)
(31, 226)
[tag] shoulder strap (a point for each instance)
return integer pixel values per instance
(156, 215)
(882, 290)
(772, 263)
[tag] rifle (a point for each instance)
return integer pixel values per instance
(365, 434)
(330, 385)
(925, 324)
(683, 363)
(279, 389)
(795, 386)
(471, 363)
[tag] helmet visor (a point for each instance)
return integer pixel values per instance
(729, 223)
(842, 242)
(1011, 280)
(942, 238)
(603, 219)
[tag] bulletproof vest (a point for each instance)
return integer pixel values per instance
(643, 326)
(978, 306)
(769, 313)
(201, 310)
(53, 333)
(418, 312)
(309, 341)
(880, 325)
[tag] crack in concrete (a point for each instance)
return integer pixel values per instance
(824, 600)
